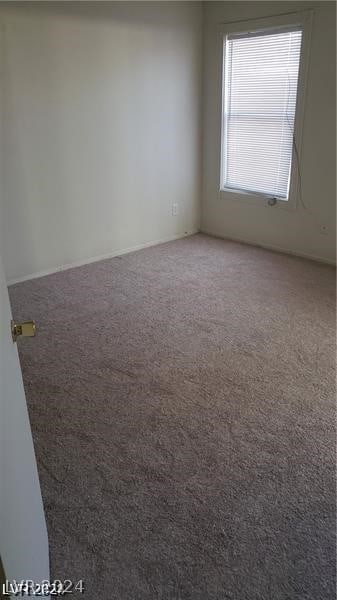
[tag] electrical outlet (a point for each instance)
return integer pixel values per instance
(175, 209)
(324, 229)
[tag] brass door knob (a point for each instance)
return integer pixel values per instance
(26, 329)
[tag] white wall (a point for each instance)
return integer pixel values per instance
(297, 231)
(101, 128)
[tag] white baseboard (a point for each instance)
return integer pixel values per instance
(269, 247)
(87, 261)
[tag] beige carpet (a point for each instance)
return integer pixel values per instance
(182, 406)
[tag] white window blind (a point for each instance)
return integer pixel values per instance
(260, 88)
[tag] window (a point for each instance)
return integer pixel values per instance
(260, 80)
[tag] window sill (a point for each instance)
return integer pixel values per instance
(253, 199)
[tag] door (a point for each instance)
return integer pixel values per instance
(23, 533)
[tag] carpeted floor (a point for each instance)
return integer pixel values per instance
(182, 407)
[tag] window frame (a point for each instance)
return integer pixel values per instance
(301, 19)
